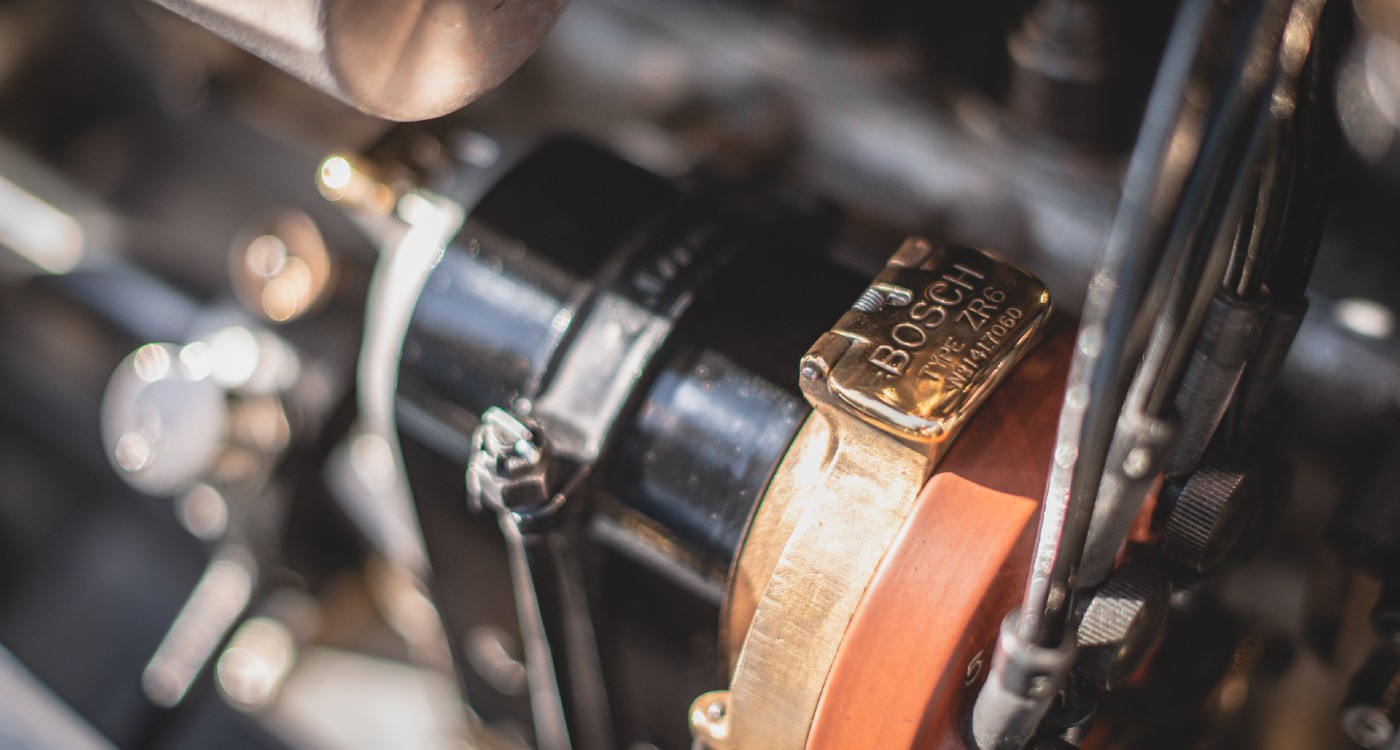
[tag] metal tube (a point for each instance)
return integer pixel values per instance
(397, 60)
(1097, 385)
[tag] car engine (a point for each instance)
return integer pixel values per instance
(710, 374)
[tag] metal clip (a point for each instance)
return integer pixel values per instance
(514, 474)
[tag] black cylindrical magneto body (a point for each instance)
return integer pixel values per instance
(739, 285)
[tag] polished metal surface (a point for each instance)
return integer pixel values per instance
(984, 124)
(400, 61)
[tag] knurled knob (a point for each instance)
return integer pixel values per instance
(1120, 622)
(1210, 514)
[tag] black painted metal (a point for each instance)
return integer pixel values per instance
(745, 285)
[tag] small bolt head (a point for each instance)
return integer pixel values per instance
(1041, 686)
(1138, 463)
(1210, 514)
(709, 719)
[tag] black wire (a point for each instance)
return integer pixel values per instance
(1314, 142)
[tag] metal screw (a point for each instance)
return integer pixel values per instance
(709, 720)
(869, 301)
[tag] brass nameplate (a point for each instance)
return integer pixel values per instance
(926, 343)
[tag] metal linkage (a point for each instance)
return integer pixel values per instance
(1186, 194)
(390, 60)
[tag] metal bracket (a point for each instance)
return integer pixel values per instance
(514, 474)
(893, 383)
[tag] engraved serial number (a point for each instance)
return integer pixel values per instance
(955, 362)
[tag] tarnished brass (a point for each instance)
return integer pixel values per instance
(892, 383)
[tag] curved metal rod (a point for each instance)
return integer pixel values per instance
(1202, 140)
(1110, 335)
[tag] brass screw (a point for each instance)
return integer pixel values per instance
(709, 719)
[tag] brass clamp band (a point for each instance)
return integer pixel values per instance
(893, 383)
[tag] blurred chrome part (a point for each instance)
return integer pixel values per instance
(47, 224)
(209, 409)
(396, 706)
(412, 242)
(1371, 713)
(1368, 86)
(212, 609)
(279, 267)
(709, 720)
(38, 232)
(364, 473)
(1364, 317)
(1121, 620)
(33, 718)
(493, 657)
(164, 422)
(955, 166)
(343, 179)
(400, 62)
(1062, 65)
(256, 662)
(203, 512)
